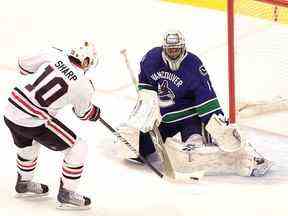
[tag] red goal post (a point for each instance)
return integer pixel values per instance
(272, 11)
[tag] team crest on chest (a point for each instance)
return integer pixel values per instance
(165, 95)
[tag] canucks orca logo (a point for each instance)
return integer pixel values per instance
(165, 95)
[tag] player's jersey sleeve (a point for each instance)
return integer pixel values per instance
(148, 65)
(30, 64)
(206, 100)
(80, 95)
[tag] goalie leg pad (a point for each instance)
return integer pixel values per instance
(251, 165)
(208, 160)
(212, 161)
(262, 167)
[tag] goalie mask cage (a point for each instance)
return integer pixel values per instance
(257, 57)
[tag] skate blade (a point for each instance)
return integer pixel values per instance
(130, 161)
(71, 207)
(30, 195)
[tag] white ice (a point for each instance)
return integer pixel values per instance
(115, 188)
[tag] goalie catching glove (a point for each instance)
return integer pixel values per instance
(228, 137)
(146, 112)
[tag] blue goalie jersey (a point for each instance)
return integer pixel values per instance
(184, 94)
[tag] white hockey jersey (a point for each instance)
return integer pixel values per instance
(52, 82)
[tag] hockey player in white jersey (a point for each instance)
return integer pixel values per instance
(54, 80)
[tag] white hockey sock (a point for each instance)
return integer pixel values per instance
(71, 174)
(26, 167)
(27, 161)
(73, 164)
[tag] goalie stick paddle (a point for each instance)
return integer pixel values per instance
(130, 147)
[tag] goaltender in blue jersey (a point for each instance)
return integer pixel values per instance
(175, 94)
(185, 94)
(184, 89)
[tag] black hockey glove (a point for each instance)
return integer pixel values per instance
(95, 113)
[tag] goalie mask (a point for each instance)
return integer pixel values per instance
(84, 56)
(174, 50)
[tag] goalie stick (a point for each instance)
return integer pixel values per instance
(158, 143)
(131, 72)
(130, 147)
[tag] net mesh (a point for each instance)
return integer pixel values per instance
(261, 62)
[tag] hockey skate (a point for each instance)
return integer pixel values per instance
(153, 159)
(262, 166)
(136, 160)
(70, 200)
(29, 189)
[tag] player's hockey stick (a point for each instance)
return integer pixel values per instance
(130, 147)
(61, 50)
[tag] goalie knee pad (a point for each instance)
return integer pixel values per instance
(195, 140)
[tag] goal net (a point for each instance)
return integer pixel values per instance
(257, 57)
